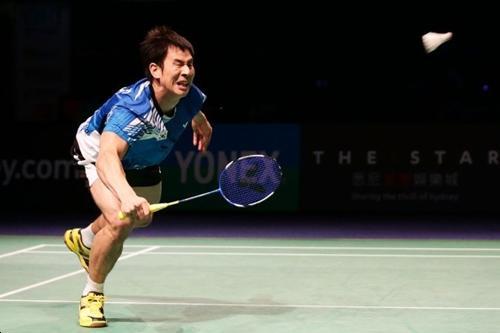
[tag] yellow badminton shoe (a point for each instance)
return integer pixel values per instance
(92, 310)
(73, 240)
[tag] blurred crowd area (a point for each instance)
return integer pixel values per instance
(304, 62)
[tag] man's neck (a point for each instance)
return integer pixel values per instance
(166, 100)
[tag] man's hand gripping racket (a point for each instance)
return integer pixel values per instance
(244, 182)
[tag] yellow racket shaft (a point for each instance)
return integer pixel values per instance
(153, 208)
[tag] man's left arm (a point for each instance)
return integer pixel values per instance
(202, 131)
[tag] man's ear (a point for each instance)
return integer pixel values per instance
(155, 70)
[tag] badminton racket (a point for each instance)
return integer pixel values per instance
(244, 182)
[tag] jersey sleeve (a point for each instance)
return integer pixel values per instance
(124, 123)
(195, 100)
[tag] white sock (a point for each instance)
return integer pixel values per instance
(92, 286)
(87, 236)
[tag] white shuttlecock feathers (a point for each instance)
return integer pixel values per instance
(432, 40)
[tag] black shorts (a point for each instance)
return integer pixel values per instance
(148, 176)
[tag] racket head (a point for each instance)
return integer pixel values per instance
(249, 180)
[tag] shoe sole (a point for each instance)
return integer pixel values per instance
(73, 248)
(94, 325)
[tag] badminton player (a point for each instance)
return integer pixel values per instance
(121, 147)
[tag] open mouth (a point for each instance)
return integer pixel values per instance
(183, 84)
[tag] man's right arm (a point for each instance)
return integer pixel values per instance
(110, 171)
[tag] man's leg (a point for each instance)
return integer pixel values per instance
(92, 229)
(151, 193)
(79, 241)
(111, 233)
(106, 249)
(107, 235)
(103, 255)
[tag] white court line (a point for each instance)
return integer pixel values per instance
(61, 252)
(60, 277)
(374, 248)
(21, 251)
(274, 305)
(322, 255)
(270, 254)
(31, 286)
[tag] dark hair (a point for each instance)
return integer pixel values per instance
(154, 47)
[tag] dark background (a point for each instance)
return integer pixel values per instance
(264, 62)
(351, 76)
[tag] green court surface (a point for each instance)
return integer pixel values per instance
(240, 285)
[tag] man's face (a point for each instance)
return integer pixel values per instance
(178, 71)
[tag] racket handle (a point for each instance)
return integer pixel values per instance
(153, 208)
(159, 206)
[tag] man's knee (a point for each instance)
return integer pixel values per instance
(143, 223)
(119, 229)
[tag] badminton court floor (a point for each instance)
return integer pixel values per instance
(218, 285)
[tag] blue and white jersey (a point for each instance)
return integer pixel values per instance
(133, 114)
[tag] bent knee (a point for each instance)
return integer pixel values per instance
(119, 229)
(143, 223)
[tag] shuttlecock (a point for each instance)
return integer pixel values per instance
(432, 40)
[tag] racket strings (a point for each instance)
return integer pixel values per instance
(250, 180)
